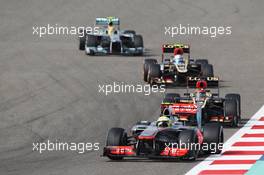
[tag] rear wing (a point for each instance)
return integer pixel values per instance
(169, 48)
(106, 20)
(212, 82)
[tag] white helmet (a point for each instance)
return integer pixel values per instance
(178, 57)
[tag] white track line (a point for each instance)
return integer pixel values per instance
(205, 164)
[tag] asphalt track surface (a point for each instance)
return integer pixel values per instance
(49, 89)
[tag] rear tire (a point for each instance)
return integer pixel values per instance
(213, 135)
(146, 64)
(236, 97)
(207, 70)
(138, 42)
(116, 137)
(231, 109)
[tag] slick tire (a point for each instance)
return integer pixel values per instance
(153, 72)
(138, 42)
(236, 97)
(213, 137)
(82, 41)
(116, 137)
(207, 70)
(187, 138)
(146, 64)
(231, 109)
(91, 42)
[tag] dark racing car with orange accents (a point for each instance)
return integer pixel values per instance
(213, 107)
(176, 65)
(166, 138)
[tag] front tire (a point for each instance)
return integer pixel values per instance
(92, 41)
(213, 136)
(116, 137)
(154, 72)
(188, 138)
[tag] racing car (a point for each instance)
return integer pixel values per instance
(174, 69)
(166, 138)
(109, 39)
(214, 108)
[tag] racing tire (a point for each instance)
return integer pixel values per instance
(82, 41)
(138, 42)
(236, 97)
(130, 32)
(231, 109)
(146, 64)
(116, 137)
(207, 70)
(188, 138)
(201, 61)
(153, 72)
(213, 134)
(91, 42)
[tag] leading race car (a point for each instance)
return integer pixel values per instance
(174, 69)
(213, 107)
(109, 39)
(166, 138)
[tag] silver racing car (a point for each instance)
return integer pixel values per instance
(109, 39)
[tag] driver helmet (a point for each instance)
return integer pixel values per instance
(202, 84)
(178, 59)
(111, 28)
(164, 122)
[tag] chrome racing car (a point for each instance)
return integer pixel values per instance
(166, 138)
(109, 39)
